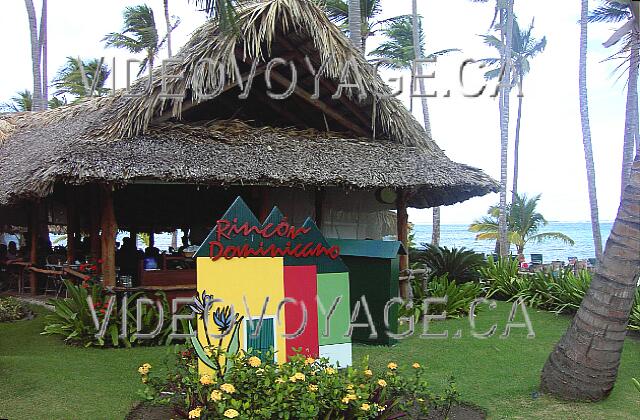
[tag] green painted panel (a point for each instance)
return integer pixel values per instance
(368, 248)
(331, 285)
(264, 341)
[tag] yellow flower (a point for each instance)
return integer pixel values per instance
(254, 361)
(368, 372)
(346, 400)
(350, 387)
(216, 395)
(365, 407)
(299, 376)
(309, 361)
(145, 379)
(259, 371)
(231, 413)
(382, 408)
(313, 387)
(195, 413)
(146, 366)
(330, 371)
(392, 366)
(228, 388)
(352, 396)
(280, 381)
(206, 379)
(416, 365)
(382, 383)
(142, 370)
(420, 399)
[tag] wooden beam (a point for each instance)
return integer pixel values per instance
(33, 247)
(72, 224)
(109, 229)
(403, 234)
(95, 224)
(298, 91)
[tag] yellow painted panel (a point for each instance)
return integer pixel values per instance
(234, 280)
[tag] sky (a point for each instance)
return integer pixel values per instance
(551, 151)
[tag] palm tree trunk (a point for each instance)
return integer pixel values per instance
(516, 147)
(435, 235)
(584, 364)
(630, 125)
(586, 132)
(35, 56)
(505, 90)
(168, 22)
(355, 24)
(43, 45)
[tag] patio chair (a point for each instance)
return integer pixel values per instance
(54, 283)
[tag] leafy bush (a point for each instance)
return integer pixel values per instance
(460, 264)
(11, 309)
(566, 290)
(459, 296)
(73, 319)
(634, 320)
(302, 388)
(503, 280)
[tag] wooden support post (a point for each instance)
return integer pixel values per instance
(33, 246)
(133, 234)
(403, 234)
(152, 239)
(265, 203)
(72, 225)
(319, 202)
(109, 229)
(95, 225)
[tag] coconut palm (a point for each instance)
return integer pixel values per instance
(223, 10)
(167, 21)
(524, 223)
(339, 12)
(584, 364)
(20, 102)
(38, 54)
(525, 47)
(139, 34)
(71, 80)
(586, 131)
(405, 42)
(619, 11)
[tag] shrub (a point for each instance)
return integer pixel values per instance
(302, 388)
(503, 280)
(459, 296)
(566, 290)
(11, 309)
(460, 264)
(634, 320)
(72, 318)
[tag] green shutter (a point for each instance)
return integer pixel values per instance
(263, 343)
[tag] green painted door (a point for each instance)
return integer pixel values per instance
(263, 343)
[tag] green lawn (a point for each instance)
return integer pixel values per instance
(42, 378)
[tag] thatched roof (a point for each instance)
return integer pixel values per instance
(223, 141)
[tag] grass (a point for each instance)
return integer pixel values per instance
(40, 377)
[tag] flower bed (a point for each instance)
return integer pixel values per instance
(11, 309)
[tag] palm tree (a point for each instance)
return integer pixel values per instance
(405, 42)
(524, 223)
(223, 10)
(167, 21)
(38, 59)
(22, 101)
(139, 34)
(78, 78)
(617, 11)
(339, 12)
(586, 131)
(525, 47)
(354, 24)
(584, 364)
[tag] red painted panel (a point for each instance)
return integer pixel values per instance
(300, 283)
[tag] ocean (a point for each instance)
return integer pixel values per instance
(459, 236)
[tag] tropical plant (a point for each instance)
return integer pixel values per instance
(628, 35)
(460, 264)
(20, 102)
(586, 131)
(11, 309)
(339, 12)
(301, 388)
(73, 318)
(584, 363)
(634, 319)
(459, 295)
(82, 78)
(502, 278)
(523, 221)
(139, 34)
(524, 48)
(223, 10)
(566, 289)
